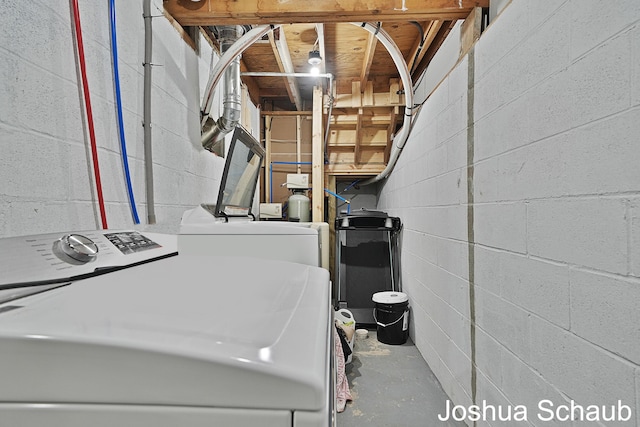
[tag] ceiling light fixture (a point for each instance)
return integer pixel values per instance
(315, 59)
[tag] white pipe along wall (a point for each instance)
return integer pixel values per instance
(45, 170)
(519, 191)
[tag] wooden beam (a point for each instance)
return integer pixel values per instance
(355, 170)
(267, 158)
(368, 99)
(234, 12)
(177, 25)
(245, 116)
(283, 58)
(331, 185)
(433, 47)
(211, 39)
(354, 99)
(420, 47)
(470, 30)
(251, 83)
(372, 42)
(287, 113)
(271, 92)
(356, 94)
(394, 89)
(317, 150)
(390, 133)
(356, 150)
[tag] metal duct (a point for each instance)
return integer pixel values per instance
(400, 138)
(213, 132)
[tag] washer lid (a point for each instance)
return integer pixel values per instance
(194, 331)
(390, 297)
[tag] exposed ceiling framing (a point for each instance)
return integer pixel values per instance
(368, 99)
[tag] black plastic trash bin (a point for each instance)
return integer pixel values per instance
(391, 315)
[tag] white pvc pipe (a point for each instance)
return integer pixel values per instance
(227, 57)
(383, 37)
(401, 137)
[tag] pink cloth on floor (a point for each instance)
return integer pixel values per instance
(342, 384)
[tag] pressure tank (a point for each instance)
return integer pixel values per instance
(299, 207)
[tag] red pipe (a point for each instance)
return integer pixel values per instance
(87, 102)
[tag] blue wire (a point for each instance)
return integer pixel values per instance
(348, 187)
(116, 81)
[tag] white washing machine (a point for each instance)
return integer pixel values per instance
(203, 234)
(228, 227)
(109, 328)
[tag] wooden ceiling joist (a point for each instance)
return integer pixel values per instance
(281, 52)
(233, 12)
(372, 42)
(430, 30)
(438, 38)
(367, 99)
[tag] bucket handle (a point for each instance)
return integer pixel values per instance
(388, 324)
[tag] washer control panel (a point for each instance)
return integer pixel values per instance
(62, 256)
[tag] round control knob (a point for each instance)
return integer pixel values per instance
(76, 249)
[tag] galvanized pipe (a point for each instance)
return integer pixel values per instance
(225, 60)
(383, 37)
(214, 131)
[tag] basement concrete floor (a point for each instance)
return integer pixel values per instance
(392, 386)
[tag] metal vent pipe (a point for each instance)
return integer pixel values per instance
(214, 131)
(400, 138)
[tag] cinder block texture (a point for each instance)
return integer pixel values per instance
(595, 159)
(505, 322)
(554, 200)
(525, 386)
(592, 298)
(634, 241)
(539, 287)
(46, 174)
(564, 358)
(590, 232)
(501, 225)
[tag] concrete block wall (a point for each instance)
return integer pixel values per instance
(428, 191)
(46, 179)
(554, 115)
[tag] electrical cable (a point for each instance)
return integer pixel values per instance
(420, 46)
(116, 82)
(89, 112)
(146, 114)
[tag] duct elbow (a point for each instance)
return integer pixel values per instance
(213, 134)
